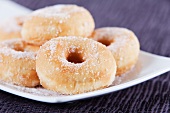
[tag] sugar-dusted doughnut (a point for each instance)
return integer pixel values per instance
(31, 48)
(123, 44)
(72, 65)
(16, 65)
(11, 28)
(58, 20)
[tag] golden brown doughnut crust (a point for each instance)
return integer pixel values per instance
(123, 44)
(31, 48)
(59, 20)
(11, 28)
(71, 65)
(17, 66)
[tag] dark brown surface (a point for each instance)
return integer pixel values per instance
(150, 20)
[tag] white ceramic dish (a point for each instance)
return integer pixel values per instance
(147, 67)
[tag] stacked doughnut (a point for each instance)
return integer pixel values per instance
(59, 49)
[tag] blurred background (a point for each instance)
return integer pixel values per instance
(149, 19)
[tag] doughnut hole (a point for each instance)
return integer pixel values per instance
(21, 49)
(75, 56)
(19, 46)
(105, 41)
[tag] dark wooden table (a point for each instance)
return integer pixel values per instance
(150, 20)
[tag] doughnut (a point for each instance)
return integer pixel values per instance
(11, 28)
(17, 66)
(18, 42)
(59, 20)
(123, 44)
(73, 65)
(31, 48)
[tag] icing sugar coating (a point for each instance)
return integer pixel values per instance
(18, 55)
(61, 10)
(118, 35)
(123, 44)
(54, 21)
(16, 48)
(74, 65)
(18, 65)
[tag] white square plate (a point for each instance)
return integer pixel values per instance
(147, 67)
